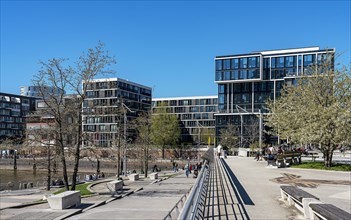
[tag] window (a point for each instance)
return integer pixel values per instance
(273, 62)
(221, 98)
(243, 74)
(102, 128)
(280, 62)
(113, 127)
(308, 59)
(252, 62)
(227, 75)
(290, 61)
(235, 63)
(221, 88)
(218, 64)
(219, 76)
(226, 64)
(235, 75)
(243, 63)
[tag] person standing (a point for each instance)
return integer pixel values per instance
(187, 171)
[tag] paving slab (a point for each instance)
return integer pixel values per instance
(154, 201)
(261, 183)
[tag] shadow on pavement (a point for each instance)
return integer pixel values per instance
(241, 190)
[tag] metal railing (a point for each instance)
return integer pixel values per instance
(194, 205)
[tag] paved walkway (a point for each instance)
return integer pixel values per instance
(260, 187)
(256, 183)
(153, 201)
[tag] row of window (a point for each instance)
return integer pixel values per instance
(120, 85)
(195, 116)
(238, 63)
(101, 128)
(185, 102)
(238, 74)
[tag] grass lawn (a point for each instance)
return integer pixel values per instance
(81, 187)
(320, 166)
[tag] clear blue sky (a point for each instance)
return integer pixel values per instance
(169, 46)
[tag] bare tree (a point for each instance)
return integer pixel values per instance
(67, 111)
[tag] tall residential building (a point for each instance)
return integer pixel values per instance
(196, 115)
(246, 81)
(13, 109)
(106, 101)
(39, 91)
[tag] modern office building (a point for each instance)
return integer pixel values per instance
(196, 115)
(246, 81)
(106, 102)
(39, 91)
(13, 109)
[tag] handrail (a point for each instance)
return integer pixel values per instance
(169, 215)
(191, 203)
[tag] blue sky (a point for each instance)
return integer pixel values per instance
(169, 46)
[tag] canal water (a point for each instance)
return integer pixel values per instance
(14, 180)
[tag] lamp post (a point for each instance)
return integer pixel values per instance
(199, 133)
(241, 121)
(125, 108)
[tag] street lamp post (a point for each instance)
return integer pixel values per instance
(125, 108)
(241, 122)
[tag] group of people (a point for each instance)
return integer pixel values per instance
(94, 176)
(268, 150)
(188, 168)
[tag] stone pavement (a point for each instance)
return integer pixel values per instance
(260, 187)
(257, 184)
(152, 201)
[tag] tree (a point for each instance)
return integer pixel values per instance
(317, 109)
(228, 136)
(165, 128)
(67, 111)
(143, 127)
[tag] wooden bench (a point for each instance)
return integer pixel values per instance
(64, 200)
(312, 155)
(133, 177)
(299, 198)
(327, 211)
(288, 158)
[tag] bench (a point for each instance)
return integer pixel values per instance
(312, 155)
(327, 211)
(299, 198)
(288, 158)
(133, 177)
(153, 176)
(64, 200)
(115, 185)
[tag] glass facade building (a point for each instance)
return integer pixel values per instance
(246, 81)
(39, 91)
(103, 109)
(13, 109)
(196, 116)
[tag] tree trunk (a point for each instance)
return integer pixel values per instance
(48, 180)
(98, 167)
(77, 151)
(163, 152)
(118, 161)
(64, 171)
(14, 160)
(146, 160)
(328, 156)
(75, 168)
